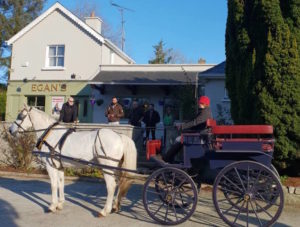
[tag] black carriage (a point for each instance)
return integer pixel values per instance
(246, 190)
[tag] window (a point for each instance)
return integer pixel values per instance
(37, 102)
(201, 90)
(56, 56)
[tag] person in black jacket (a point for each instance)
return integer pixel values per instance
(68, 113)
(136, 115)
(151, 118)
(198, 124)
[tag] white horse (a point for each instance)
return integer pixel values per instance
(84, 145)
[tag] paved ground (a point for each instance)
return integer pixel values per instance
(24, 202)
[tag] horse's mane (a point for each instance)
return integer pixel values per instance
(44, 115)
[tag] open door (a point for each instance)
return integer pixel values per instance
(84, 109)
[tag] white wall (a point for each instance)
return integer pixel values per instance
(154, 94)
(82, 52)
(106, 59)
(215, 90)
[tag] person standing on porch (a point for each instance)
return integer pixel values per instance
(168, 122)
(68, 113)
(114, 112)
(136, 115)
(151, 118)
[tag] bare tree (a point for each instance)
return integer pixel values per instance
(84, 9)
(177, 57)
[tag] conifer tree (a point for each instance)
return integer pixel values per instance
(162, 56)
(263, 70)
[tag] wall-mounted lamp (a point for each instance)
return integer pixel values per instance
(73, 76)
(25, 80)
(18, 89)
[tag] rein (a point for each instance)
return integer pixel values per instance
(54, 154)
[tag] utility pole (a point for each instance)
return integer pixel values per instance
(121, 9)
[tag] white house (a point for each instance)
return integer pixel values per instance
(54, 57)
(58, 55)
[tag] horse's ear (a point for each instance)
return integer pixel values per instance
(26, 106)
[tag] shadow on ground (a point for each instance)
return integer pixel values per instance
(85, 194)
(8, 214)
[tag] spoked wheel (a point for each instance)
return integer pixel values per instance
(248, 193)
(170, 196)
(272, 167)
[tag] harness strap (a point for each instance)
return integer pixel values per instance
(54, 155)
(19, 125)
(101, 144)
(108, 158)
(44, 136)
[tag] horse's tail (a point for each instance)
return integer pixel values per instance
(129, 162)
(130, 155)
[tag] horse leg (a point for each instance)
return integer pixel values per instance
(122, 191)
(53, 174)
(61, 185)
(110, 182)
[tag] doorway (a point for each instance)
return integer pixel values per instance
(84, 109)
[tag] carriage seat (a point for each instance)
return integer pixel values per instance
(243, 137)
(242, 129)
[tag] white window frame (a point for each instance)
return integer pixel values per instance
(47, 61)
(35, 101)
(226, 97)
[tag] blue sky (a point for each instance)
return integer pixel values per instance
(195, 28)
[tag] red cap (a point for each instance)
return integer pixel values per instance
(204, 100)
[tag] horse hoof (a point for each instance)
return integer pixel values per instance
(51, 209)
(100, 215)
(115, 210)
(60, 206)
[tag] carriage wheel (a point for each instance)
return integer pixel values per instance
(248, 193)
(235, 178)
(170, 196)
(275, 171)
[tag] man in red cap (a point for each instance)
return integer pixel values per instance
(198, 124)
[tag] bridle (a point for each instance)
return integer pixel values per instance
(21, 117)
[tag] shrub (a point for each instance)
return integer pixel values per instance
(19, 153)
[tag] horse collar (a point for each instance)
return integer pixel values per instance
(44, 136)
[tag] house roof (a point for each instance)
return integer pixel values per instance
(145, 78)
(149, 74)
(218, 70)
(88, 29)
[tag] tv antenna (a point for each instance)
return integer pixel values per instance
(122, 9)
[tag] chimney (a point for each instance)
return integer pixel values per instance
(94, 22)
(201, 61)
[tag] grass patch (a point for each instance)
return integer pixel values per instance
(283, 179)
(85, 172)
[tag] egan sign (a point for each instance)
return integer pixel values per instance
(48, 87)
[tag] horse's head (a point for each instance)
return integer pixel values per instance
(23, 121)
